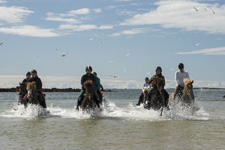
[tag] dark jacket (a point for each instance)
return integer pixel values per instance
(38, 82)
(157, 76)
(89, 77)
(26, 80)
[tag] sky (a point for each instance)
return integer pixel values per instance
(124, 38)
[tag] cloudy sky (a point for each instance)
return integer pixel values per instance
(126, 38)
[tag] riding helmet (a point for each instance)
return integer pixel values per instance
(88, 67)
(181, 66)
(28, 73)
(33, 71)
(159, 68)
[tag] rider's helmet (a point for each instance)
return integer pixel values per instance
(158, 68)
(28, 74)
(181, 66)
(33, 71)
(88, 67)
(146, 78)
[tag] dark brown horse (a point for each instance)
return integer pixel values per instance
(156, 95)
(88, 103)
(187, 97)
(32, 96)
(22, 92)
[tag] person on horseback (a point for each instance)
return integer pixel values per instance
(146, 84)
(88, 76)
(38, 82)
(159, 76)
(28, 76)
(179, 78)
(99, 87)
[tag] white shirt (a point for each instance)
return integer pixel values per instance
(180, 76)
(146, 85)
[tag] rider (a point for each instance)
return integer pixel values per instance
(146, 84)
(179, 77)
(28, 75)
(160, 76)
(38, 82)
(88, 76)
(99, 87)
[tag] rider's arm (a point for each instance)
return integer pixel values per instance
(177, 78)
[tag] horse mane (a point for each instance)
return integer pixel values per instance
(31, 85)
(157, 81)
(187, 81)
(88, 83)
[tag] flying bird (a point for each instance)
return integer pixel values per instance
(196, 45)
(128, 54)
(63, 54)
(121, 20)
(101, 42)
(196, 8)
(214, 12)
(206, 9)
(113, 76)
(1, 44)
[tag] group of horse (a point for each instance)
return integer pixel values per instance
(156, 100)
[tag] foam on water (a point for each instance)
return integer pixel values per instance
(109, 110)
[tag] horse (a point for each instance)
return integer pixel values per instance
(156, 95)
(22, 92)
(187, 97)
(145, 91)
(88, 103)
(32, 96)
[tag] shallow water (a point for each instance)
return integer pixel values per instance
(121, 125)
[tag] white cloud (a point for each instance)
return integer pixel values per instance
(209, 51)
(13, 14)
(82, 11)
(85, 27)
(60, 19)
(133, 31)
(97, 10)
(31, 31)
(181, 14)
(2, 1)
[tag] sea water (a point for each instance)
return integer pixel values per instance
(120, 125)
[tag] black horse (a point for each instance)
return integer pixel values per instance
(22, 92)
(156, 98)
(88, 103)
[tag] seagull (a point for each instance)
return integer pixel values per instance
(196, 8)
(1, 44)
(205, 9)
(113, 76)
(196, 45)
(128, 54)
(213, 12)
(63, 54)
(121, 20)
(101, 42)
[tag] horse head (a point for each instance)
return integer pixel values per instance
(22, 88)
(89, 86)
(31, 89)
(188, 85)
(158, 84)
(145, 91)
(188, 95)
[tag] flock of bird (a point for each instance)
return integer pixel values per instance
(206, 9)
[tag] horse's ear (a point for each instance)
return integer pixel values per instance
(192, 81)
